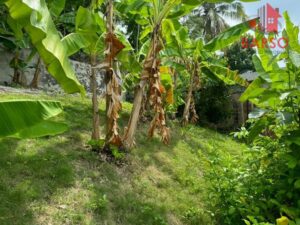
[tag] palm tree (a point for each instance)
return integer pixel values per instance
(210, 19)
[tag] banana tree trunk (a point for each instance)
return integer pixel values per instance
(128, 140)
(193, 112)
(156, 102)
(113, 90)
(113, 106)
(17, 74)
(186, 112)
(36, 78)
(150, 73)
(144, 108)
(130, 130)
(96, 119)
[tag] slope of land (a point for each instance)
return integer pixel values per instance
(58, 180)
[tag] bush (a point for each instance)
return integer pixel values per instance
(213, 105)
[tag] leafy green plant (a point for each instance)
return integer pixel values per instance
(99, 204)
(196, 60)
(35, 19)
(29, 119)
(117, 154)
(264, 186)
(98, 39)
(96, 144)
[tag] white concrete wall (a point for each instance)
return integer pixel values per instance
(82, 71)
(6, 72)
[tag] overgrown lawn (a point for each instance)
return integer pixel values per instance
(58, 180)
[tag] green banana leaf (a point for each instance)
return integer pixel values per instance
(35, 18)
(231, 35)
(91, 27)
(228, 76)
(292, 33)
(89, 33)
(45, 128)
(28, 118)
(74, 42)
(268, 60)
(254, 90)
(56, 6)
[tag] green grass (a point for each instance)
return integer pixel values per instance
(58, 180)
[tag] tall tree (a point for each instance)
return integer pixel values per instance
(152, 14)
(210, 19)
(158, 11)
(113, 90)
(197, 59)
(89, 30)
(102, 44)
(240, 58)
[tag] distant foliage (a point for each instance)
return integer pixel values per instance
(239, 58)
(213, 104)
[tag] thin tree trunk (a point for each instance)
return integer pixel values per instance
(128, 140)
(193, 112)
(36, 78)
(186, 112)
(17, 75)
(130, 130)
(135, 113)
(150, 71)
(109, 72)
(96, 122)
(113, 90)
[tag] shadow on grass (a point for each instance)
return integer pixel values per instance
(30, 174)
(27, 177)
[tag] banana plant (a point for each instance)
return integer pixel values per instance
(150, 73)
(276, 117)
(196, 58)
(29, 118)
(89, 30)
(97, 37)
(35, 18)
(113, 90)
(151, 15)
(276, 90)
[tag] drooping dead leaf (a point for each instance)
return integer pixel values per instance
(115, 44)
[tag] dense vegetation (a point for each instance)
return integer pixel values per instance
(68, 161)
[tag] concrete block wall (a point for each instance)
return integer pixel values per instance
(47, 83)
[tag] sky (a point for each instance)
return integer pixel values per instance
(291, 6)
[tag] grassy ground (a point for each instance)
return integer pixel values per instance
(58, 180)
